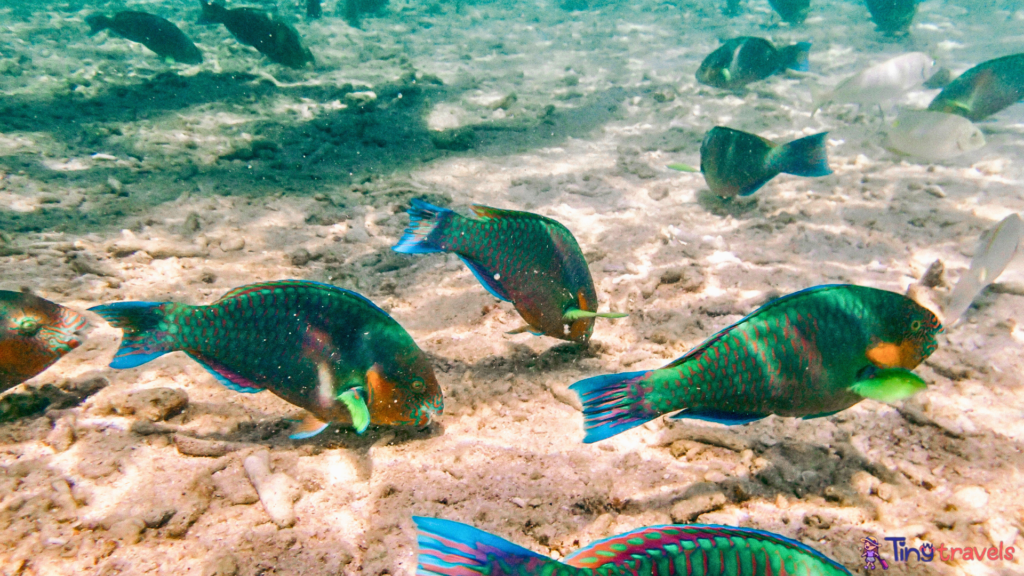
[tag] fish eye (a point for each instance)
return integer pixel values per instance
(915, 325)
(28, 326)
(418, 384)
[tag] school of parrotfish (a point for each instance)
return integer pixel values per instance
(344, 360)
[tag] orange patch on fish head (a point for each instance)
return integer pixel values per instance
(580, 330)
(410, 396)
(19, 356)
(906, 354)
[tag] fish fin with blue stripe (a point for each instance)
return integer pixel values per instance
(609, 407)
(719, 416)
(490, 283)
(448, 548)
(143, 340)
(421, 235)
(225, 376)
(309, 427)
(805, 157)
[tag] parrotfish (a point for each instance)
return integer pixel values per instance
(34, 333)
(322, 348)
(448, 548)
(738, 163)
(996, 248)
(892, 16)
(527, 259)
(792, 11)
(808, 354)
(983, 90)
(153, 32)
(272, 37)
(932, 135)
(883, 82)
(746, 59)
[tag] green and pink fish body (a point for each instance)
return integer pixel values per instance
(449, 548)
(34, 333)
(529, 260)
(322, 348)
(809, 354)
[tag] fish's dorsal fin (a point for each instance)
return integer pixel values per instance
(763, 308)
(252, 288)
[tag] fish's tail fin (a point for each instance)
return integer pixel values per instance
(422, 235)
(98, 22)
(143, 339)
(805, 157)
(609, 407)
(820, 97)
(213, 12)
(795, 57)
(448, 548)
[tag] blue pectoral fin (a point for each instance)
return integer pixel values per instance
(227, 377)
(487, 279)
(719, 416)
(308, 428)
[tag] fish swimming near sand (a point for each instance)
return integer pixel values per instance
(448, 548)
(322, 348)
(34, 333)
(932, 135)
(153, 32)
(884, 82)
(527, 259)
(736, 163)
(983, 90)
(809, 354)
(746, 59)
(995, 250)
(892, 16)
(272, 37)
(792, 11)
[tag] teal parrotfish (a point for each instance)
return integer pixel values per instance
(322, 348)
(527, 259)
(34, 333)
(808, 354)
(740, 61)
(792, 11)
(272, 37)
(448, 548)
(736, 163)
(892, 16)
(983, 90)
(153, 32)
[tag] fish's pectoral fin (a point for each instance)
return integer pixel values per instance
(888, 384)
(682, 167)
(720, 416)
(726, 75)
(308, 427)
(354, 399)
(574, 314)
(526, 328)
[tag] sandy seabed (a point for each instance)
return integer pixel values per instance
(126, 178)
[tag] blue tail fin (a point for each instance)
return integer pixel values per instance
(805, 157)
(795, 57)
(449, 548)
(420, 237)
(143, 339)
(609, 407)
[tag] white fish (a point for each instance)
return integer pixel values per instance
(883, 82)
(995, 250)
(932, 135)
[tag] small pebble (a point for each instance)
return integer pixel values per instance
(232, 244)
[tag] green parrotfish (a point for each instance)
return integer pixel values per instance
(322, 348)
(808, 354)
(529, 260)
(746, 59)
(34, 333)
(448, 548)
(983, 90)
(736, 163)
(272, 37)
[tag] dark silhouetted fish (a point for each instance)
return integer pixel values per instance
(313, 9)
(940, 79)
(151, 31)
(34, 333)
(983, 90)
(746, 59)
(273, 38)
(354, 9)
(892, 16)
(792, 11)
(738, 163)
